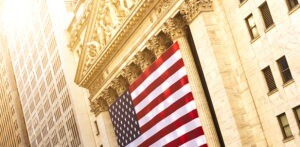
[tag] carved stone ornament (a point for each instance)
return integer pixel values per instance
(107, 17)
(159, 44)
(131, 72)
(120, 84)
(109, 95)
(98, 105)
(144, 58)
(192, 8)
(175, 27)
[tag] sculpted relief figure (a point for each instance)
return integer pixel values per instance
(114, 11)
(93, 49)
(127, 5)
(92, 53)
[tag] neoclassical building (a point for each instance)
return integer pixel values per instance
(241, 56)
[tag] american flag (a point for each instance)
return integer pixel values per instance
(159, 108)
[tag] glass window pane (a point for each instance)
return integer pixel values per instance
(287, 131)
(255, 32)
(251, 21)
(298, 112)
(284, 120)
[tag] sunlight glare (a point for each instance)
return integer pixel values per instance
(15, 16)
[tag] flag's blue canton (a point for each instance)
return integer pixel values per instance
(124, 119)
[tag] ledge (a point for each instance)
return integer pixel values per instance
(254, 39)
(294, 9)
(242, 3)
(288, 83)
(288, 139)
(270, 28)
(272, 92)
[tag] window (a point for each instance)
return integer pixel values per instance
(284, 69)
(241, 1)
(291, 4)
(266, 14)
(252, 27)
(297, 114)
(269, 78)
(284, 125)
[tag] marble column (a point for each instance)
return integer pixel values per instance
(175, 28)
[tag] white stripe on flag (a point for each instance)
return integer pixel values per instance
(165, 122)
(160, 89)
(165, 104)
(159, 71)
(200, 140)
(178, 132)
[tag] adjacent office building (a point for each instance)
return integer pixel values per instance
(12, 125)
(54, 110)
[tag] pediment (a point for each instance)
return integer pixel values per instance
(107, 23)
(110, 23)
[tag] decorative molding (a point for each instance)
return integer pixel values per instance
(159, 44)
(98, 105)
(76, 26)
(96, 76)
(120, 84)
(91, 79)
(109, 95)
(131, 72)
(192, 8)
(175, 27)
(144, 58)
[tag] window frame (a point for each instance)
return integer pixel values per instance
(296, 115)
(268, 82)
(282, 71)
(251, 28)
(282, 128)
(290, 7)
(264, 15)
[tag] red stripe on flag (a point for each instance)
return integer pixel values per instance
(186, 137)
(170, 128)
(160, 116)
(154, 66)
(173, 69)
(163, 96)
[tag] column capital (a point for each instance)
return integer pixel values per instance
(120, 84)
(109, 95)
(175, 27)
(192, 8)
(131, 72)
(159, 44)
(98, 105)
(144, 58)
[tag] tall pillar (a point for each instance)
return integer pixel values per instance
(175, 29)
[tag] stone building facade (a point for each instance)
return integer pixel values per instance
(12, 125)
(53, 105)
(241, 57)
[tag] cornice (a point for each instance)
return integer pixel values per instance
(77, 25)
(127, 28)
(93, 78)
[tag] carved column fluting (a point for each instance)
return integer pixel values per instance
(109, 96)
(159, 44)
(144, 59)
(120, 84)
(175, 28)
(131, 72)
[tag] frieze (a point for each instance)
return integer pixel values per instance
(121, 28)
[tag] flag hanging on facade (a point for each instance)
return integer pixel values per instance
(159, 108)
